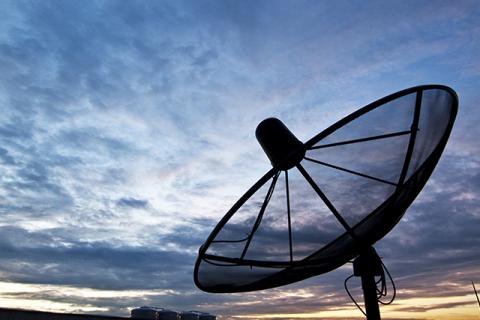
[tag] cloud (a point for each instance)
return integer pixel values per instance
(132, 202)
(35, 257)
(127, 131)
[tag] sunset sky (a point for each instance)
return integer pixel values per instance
(127, 130)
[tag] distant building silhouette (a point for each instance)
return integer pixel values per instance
(146, 313)
(18, 314)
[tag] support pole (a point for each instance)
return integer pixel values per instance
(368, 265)
(370, 297)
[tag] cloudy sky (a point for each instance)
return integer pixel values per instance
(127, 131)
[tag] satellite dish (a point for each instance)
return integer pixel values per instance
(328, 200)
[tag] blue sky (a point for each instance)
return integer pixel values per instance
(127, 131)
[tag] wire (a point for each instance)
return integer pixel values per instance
(383, 291)
(381, 284)
(394, 294)
(476, 294)
(345, 284)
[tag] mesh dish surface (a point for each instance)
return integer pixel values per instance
(370, 166)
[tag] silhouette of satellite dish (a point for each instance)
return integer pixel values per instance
(328, 200)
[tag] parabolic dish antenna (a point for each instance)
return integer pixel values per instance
(328, 200)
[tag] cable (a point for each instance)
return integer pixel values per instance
(351, 297)
(393, 286)
(381, 289)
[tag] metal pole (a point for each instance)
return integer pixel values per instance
(370, 297)
(368, 265)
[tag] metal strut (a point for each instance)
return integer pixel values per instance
(260, 215)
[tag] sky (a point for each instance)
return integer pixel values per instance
(127, 130)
